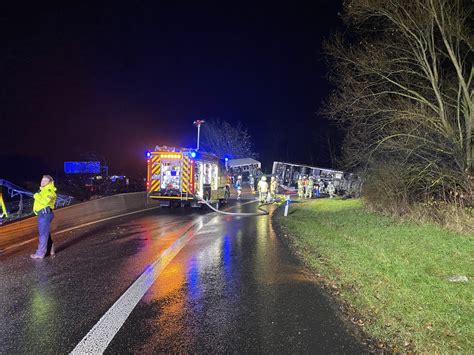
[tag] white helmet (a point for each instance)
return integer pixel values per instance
(264, 178)
(240, 177)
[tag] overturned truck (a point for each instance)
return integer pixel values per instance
(346, 184)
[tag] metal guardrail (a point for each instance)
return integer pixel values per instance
(24, 231)
(23, 205)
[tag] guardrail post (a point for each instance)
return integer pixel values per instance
(287, 205)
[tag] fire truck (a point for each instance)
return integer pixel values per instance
(185, 177)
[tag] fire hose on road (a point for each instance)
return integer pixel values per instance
(243, 214)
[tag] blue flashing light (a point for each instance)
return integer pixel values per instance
(226, 159)
(148, 154)
(193, 155)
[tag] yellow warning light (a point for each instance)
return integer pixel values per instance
(171, 156)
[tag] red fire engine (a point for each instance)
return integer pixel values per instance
(181, 176)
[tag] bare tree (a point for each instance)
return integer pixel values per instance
(403, 74)
(225, 140)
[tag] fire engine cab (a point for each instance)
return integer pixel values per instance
(184, 177)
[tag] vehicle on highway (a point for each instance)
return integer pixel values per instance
(185, 177)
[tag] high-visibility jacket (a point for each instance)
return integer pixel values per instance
(300, 184)
(273, 186)
(45, 197)
(263, 186)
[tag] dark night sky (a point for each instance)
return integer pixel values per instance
(118, 80)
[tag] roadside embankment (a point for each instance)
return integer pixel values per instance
(393, 276)
(25, 231)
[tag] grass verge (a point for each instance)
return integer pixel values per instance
(394, 274)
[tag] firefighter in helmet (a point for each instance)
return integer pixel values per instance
(309, 188)
(273, 188)
(300, 187)
(262, 189)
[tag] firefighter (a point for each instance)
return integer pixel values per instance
(252, 183)
(309, 188)
(238, 186)
(262, 189)
(318, 186)
(331, 190)
(273, 188)
(44, 202)
(305, 185)
(300, 187)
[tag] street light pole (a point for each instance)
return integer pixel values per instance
(198, 123)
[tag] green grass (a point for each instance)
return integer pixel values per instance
(395, 274)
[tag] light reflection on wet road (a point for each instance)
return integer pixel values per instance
(233, 288)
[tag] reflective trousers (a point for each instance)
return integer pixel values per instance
(300, 192)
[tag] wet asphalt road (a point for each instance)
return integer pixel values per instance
(233, 288)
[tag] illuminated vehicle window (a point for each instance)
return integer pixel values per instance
(170, 174)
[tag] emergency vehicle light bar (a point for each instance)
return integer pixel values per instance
(171, 156)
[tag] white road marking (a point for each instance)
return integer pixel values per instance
(102, 333)
(103, 220)
(76, 227)
(100, 336)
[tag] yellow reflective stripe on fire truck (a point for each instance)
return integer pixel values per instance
(155, 171)
(171, 197)
(186, 175)
(155, 184)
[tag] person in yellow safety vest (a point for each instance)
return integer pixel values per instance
(309, 188)
(43, 206)
(2, 205)
(300, 188)
(273, 188)
(262, 189)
